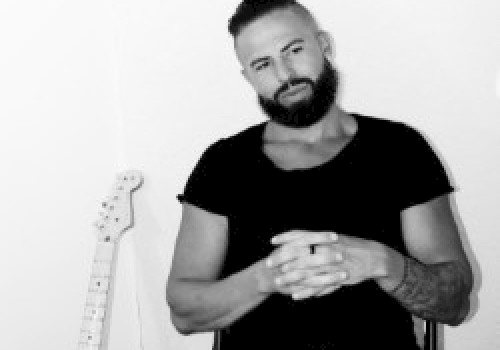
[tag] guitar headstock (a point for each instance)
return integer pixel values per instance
(116, 214)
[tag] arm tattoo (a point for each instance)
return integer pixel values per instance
(438, 292)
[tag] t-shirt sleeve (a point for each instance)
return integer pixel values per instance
(422, 176)
(206, 186)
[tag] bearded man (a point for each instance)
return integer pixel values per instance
(317, 229)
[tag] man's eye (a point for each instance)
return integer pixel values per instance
(262, 66)
(297, 49)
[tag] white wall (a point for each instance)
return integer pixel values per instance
(88, 89)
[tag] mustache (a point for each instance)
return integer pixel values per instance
(290, 83)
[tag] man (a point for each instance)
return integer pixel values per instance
(318, 229)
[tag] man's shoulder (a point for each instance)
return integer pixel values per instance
(381, 130)
(236, 148)
(244, 139)
(251, 133)
(393, 138)
(376, 124)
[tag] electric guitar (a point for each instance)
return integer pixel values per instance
(116, 218)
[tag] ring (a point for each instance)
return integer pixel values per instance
(312, 248)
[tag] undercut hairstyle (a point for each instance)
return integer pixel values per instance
(250, 10)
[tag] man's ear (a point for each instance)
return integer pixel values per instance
(244, 72)
(325, 41)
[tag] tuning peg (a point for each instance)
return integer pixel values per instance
(104, 215)
(99, 224)
(130, 177)
(108, 204)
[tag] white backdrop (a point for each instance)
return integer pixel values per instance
(90, 88)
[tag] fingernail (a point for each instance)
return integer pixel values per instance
(278, 281)
(269, 263)
(334, 236)
(343, 275)
(338, 257)
(300, 295)
(273, 240)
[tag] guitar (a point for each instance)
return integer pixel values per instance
(116, 218)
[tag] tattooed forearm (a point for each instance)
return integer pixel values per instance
(439, 292)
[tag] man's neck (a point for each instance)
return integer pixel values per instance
(335, 124)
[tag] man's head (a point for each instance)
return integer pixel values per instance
(286, 59)
(250, 10)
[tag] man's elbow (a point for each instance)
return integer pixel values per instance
(462, 311)
(180, 315)
(181, 324)
(180, 321)
(461, 314)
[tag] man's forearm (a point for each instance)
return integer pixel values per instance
(200, 306)
(437, 292)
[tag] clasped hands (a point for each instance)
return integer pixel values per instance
(307, 264)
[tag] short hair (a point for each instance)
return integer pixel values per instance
(249, 10)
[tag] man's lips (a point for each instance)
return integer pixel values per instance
(294, 90)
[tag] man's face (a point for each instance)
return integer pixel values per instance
(286, 63)
(308, 110)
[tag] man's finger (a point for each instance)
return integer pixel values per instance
(328, 290)
(285, 255)
(290, 278)
(325, 279)
(303, 238)
(304, 294)
(324, 259)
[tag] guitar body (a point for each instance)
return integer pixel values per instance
(116, 218)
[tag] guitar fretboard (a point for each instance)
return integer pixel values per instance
(93, 331)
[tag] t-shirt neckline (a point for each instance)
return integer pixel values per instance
(341, 154)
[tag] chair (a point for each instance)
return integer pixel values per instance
(430, 339)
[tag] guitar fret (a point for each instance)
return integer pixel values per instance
(92, 326)
(93, 319)
(98, 300)
(94, 313)
(103, 261)
(101, 269)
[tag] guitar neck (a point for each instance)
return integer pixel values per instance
(116, 219)
(96, 317)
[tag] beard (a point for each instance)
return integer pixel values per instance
(308, 111)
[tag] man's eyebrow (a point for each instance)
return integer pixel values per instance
(291, 43)
(286, 47)
(257, 60)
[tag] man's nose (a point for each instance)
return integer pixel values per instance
(284, 70)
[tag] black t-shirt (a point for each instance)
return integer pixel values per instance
(385, 168)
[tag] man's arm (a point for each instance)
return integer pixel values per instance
(199, 301)
(436, 280)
